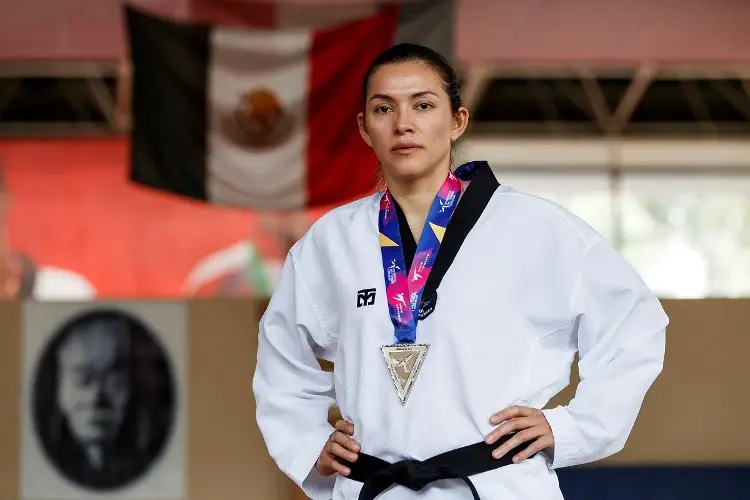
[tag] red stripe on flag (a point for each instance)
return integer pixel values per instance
(233, 13)
(340, 166)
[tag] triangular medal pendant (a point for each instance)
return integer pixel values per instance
(404, 362)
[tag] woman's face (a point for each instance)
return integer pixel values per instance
(408, 120)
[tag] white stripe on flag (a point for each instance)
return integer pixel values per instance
(257, 138)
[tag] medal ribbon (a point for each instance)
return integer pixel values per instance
(404, 290)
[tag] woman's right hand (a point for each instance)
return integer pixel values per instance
(339, 445)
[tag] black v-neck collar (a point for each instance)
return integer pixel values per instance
(408, 243)
(470, 208)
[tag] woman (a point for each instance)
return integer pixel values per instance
(444, 360)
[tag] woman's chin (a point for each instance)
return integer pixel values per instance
(408, 168)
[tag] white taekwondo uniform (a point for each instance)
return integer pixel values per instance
(531, 285)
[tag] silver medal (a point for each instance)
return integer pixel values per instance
(404, 362)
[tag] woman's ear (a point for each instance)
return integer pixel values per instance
(363, 129)
(460, 122)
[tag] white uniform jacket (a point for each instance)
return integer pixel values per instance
(531, 285)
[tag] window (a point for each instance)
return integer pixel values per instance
(586, 194)
(688, 235)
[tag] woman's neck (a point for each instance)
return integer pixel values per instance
(415, 197)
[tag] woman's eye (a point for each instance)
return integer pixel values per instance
(424, 106)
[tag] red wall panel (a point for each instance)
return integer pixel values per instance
(71, 206)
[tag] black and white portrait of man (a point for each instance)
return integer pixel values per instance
(104, 400)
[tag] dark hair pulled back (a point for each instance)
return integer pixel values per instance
(407, 52)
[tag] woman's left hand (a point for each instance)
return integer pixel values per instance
(528, 424)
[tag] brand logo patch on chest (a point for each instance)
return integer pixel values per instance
(366, 297)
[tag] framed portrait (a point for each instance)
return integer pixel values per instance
(103, 401)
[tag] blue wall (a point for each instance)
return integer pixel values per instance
(655, 483)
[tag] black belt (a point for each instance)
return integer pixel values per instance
(379, 475)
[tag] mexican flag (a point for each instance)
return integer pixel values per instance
(264, 117)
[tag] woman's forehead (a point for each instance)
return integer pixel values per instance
(404, 79)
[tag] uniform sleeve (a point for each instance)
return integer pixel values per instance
(621, 339)
(292, 393)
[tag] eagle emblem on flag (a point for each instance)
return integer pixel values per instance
(259, 121)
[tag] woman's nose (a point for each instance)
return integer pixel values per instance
(404, 123)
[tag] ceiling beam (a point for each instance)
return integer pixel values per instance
(584, 129)
(597, 100)
(744, 75)
(55, 129)
(578, 98)
(567, 153)
(697, 103)
(57, 69)
(102, 99)
(739, 99)
(123, 96)
(632, 97)
(567, 70)
(543, 95)
(476, 80)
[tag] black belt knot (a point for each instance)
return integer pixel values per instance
(412, 474)
(379, 475)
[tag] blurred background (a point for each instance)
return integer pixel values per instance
(136, 168)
